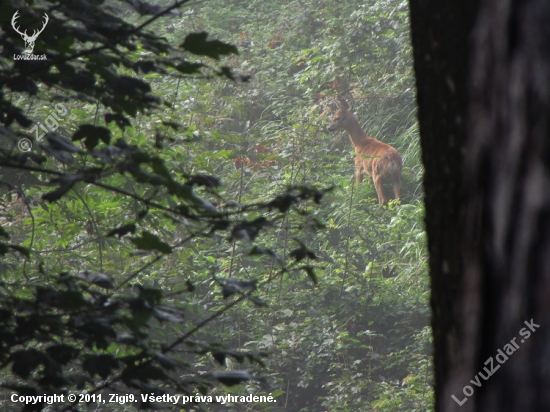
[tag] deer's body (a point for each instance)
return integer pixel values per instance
(379, 160)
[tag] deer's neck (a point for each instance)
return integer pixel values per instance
(356, 133)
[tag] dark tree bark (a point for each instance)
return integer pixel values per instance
(441, 38)
(489, 239)
(507, 206)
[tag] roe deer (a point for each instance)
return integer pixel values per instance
(379, 160)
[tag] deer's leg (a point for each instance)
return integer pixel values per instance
(358, 169)
(396, 187)
(358, 174)
(379, 190)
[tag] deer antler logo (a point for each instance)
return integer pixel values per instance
(29, 40)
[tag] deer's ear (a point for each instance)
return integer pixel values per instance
(342, 104)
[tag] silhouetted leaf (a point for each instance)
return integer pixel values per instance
(99, 279)
(232, 286)
(150, 294)
(120, 120)
(123, 230)
(72, 299)
(301, 253)
(221, 356)
(256, 250)
(144, 8)
(165, 315)
(3, 233)
(198, 44)
(165, 361)
(98, 327)
(226, 72)
(232, 378)
(204, 180)
(15, 113)
(283, 202)
(145, 66)
(23, 250)
(58, 142)
(310, 272)
(23, 83)
(149, 241)
(92, 134)
(257, 301)
(128, 86)
(25, 361)
(101, 365)
(65, 183)
(144, 373)
(188, 68)
(173, 125)
(79, 380)
(62, 353)
(248, 230)
(63, 156)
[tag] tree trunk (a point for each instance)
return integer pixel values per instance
(441, 38)
(489, 241)
(507, 207)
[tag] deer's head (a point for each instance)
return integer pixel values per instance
(342, 117)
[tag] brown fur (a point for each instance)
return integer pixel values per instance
(379, 160)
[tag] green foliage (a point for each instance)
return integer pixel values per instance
(173, 190)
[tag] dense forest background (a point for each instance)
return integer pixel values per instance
(350, 330)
